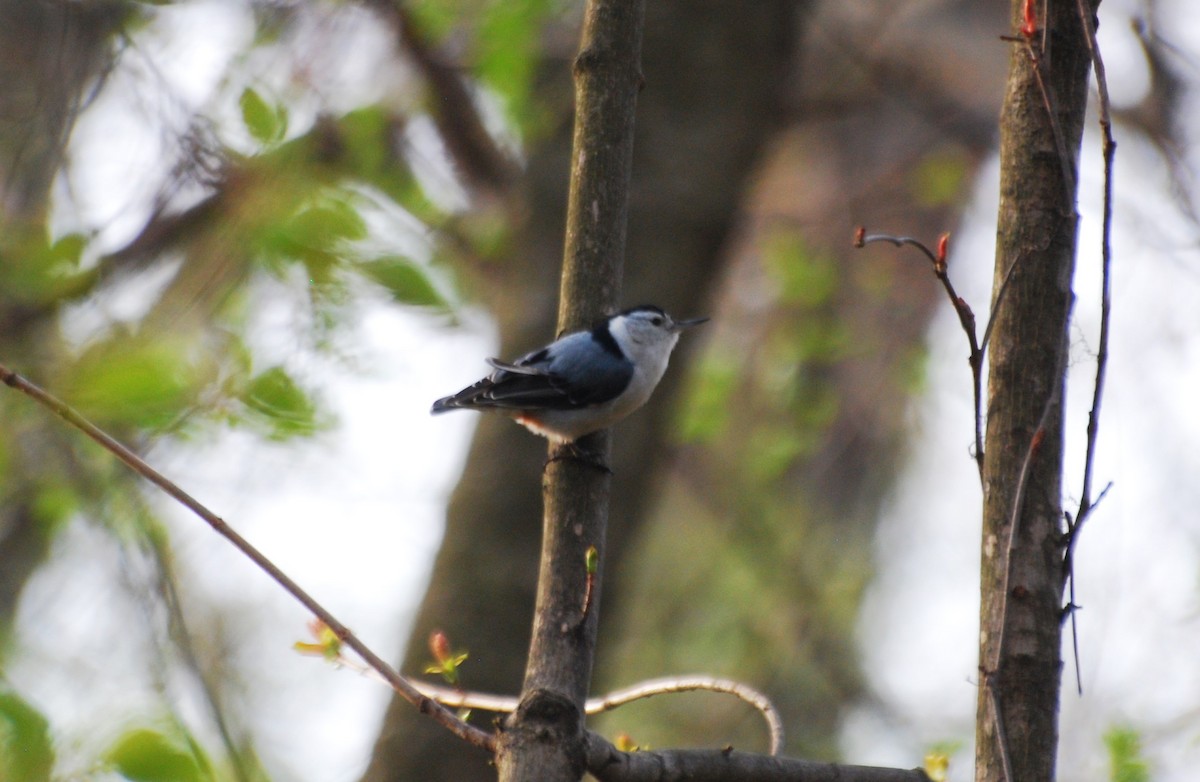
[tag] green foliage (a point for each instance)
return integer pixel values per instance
(35, 271)
(316, 235)
(505, 50)
(1125, 758)
(280, 406)
(266, 123)
(127, 380)
(938, 757)
(940, 178)
(145, 755)
(507, 47)
(26, 754)
(437, 18)
(406, 281)
(771, 451)
(368, 154)
(802, 275)
(706, 409)
(54, 501)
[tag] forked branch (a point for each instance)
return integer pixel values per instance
(966, 317)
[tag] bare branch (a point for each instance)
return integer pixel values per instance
(1018, 507)
(691, 683)
(479, 160)
(464, 699)
(608, 764)
(993, 695)
(1110, 149)
(426, 705)
(966, 317)
(1086, 505)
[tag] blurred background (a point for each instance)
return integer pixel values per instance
(254, 239)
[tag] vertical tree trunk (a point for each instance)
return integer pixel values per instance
(712, 100)
(49, 54)
(543, 740)
(1021, 582)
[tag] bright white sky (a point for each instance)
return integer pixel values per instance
(355, 516)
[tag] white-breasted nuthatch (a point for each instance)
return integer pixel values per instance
(583, 381)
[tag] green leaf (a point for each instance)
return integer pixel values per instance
(281, 404)
(267, 124)
(508, 54)
(34, 270)
(1125, 755)
(68, 249)
(54, 502)
(145, 755)
(132, 380)
(317, 235)
(369, 153)
(406, 281)
(26, 754)
(436, 18)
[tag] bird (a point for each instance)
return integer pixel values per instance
(583, 381)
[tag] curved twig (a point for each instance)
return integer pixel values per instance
(504, 704)
(400, 684)
(966, 317)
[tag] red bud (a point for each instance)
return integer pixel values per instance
(1029, 27)
(439, 645)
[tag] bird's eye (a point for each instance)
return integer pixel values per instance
(657, 320)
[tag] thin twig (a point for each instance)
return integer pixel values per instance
(985, 340)
(503, 704)
(1068, 570)
(426, 705)
(1110, 148)
(966, 318)
(167, 589)
(1018, 504)
(1086, 505)
(998, 721)
(480, 161)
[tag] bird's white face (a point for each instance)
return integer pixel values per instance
(647, 337)
(648, 328)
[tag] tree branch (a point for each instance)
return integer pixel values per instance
(464, 699)
(479, 160)
(426, 705)
(966, 317)
(608, 764)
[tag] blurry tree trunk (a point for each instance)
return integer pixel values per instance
(1021, 611)
(715, 74)
(50, 53)
(762, 578)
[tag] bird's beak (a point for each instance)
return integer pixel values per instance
(680, 325)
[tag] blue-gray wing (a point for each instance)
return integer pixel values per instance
(571, 373)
